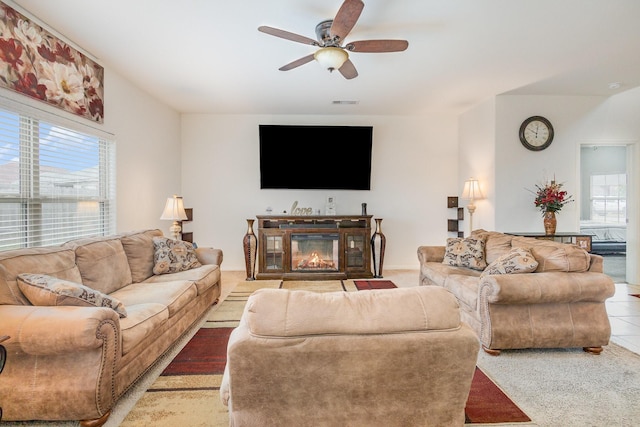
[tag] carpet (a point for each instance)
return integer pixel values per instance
(187, 391)
(374, 284)
(313, 285)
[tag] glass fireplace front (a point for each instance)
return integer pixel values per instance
(314, 252)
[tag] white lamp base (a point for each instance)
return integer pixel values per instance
(472, 209)
(175, 230)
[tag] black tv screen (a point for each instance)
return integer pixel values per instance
(315, 157)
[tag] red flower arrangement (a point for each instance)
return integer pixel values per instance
(551, 197)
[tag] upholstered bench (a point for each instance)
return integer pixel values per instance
(392, 357)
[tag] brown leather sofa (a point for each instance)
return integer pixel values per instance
(394, 357)
(73, 363)
(560, 304)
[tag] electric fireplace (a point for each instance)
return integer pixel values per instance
(314, 252)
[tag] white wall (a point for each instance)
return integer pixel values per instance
(477, 144)
(414, 170)
(148, 153)
(518, 170)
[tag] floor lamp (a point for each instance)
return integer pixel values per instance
(174, 211)
(471, 192)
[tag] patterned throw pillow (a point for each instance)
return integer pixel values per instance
(467, 252)
(172, 256)
(43, 290)
(518, 260)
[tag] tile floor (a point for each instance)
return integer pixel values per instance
(624, 316)
(623, 309)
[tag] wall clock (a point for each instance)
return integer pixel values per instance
(536, 133)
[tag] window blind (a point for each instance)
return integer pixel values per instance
(56, 184)
(609, 198)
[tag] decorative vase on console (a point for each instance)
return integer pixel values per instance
(550, 223)
(250, 247)
(378, 242)
(551, 198)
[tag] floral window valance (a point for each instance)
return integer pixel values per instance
(37, 64)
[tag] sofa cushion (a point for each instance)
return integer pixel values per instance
(54, 261)
(467, 253)
(204, 277)
(173, 295)
(43, 290)
(437, 273)
(139, 249)
(142, 320)
(103, 264)
(517, 260)
(496, 244)
(465, 289)
(554, 256)
(172, 256)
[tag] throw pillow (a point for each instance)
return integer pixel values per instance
(517, 260)
(172, 256)
(43, 290)
(467, 252)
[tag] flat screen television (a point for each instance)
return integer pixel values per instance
(315, 157)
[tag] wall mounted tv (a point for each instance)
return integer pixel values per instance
(315, 157)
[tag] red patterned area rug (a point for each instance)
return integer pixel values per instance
(204, 354)
(487, 404)
(187, 391)
(374, 284)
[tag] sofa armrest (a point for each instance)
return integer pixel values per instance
(596, 263)
(541, 288)
(76, 328)
(73, 351)
(209, 256)
(430, 253)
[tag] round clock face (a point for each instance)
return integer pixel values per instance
(536, 133)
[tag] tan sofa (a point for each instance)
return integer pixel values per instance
(393, 357)
(73, 363)
(560, 304)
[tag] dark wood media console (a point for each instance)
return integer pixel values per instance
(314, 247)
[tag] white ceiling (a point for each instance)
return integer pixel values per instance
(207, 56)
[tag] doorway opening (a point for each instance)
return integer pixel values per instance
(603, 207)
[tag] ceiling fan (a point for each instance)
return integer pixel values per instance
(333, 55)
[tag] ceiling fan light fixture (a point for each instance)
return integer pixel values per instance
(331, 58)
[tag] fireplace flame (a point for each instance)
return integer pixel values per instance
(314, 260)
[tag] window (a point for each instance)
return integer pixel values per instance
(609, 198)
(56, 184)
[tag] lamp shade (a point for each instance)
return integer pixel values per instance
(174, 209)
(331, 58)
(472, 190)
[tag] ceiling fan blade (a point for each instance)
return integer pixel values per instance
(346, 18)
(297, 63)
(373, 46)
(348, 70)
(287, 35)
